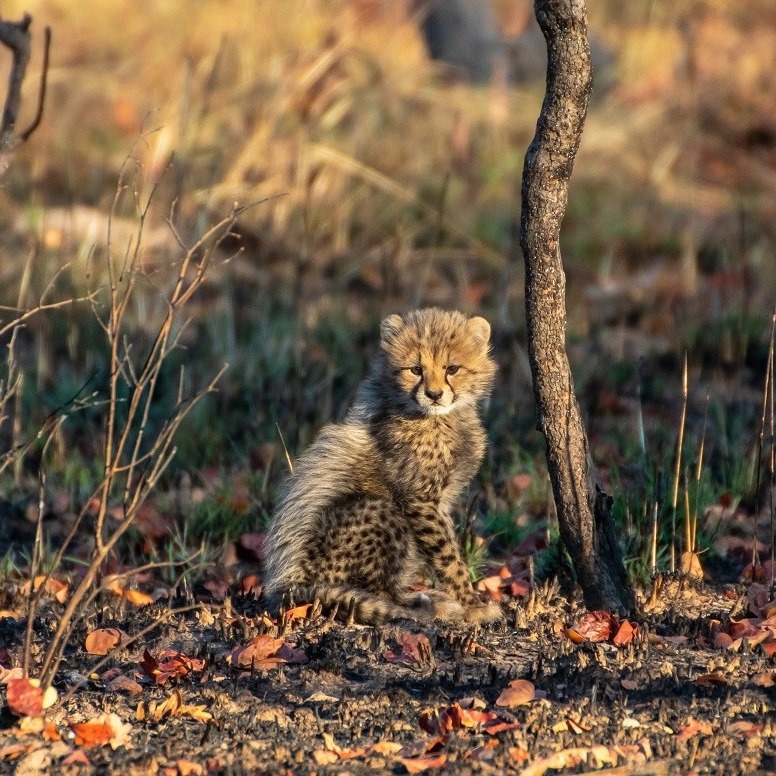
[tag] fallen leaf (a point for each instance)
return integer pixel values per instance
(693, 728)
(53, 586)
(102, 640)
(765, 679)
(106, 729)
(25, 698)
(387, 747)
(626, 633)
(518, 588)
(420, 764)
(122, 683)
(597, 626)
(744, 727)
(519, 693)
(170, 664)
(484, 752)
(324, 757)
(298, 612)
(574, 636)
(138, 598)
(50, 732)
(77, 757)
(769, 648)
(288, 654)
(711, 679)
(757, 598)
(415, 650)
(91, 734)
(264, 652)
(13, 751)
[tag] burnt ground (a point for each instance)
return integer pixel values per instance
(353, 701)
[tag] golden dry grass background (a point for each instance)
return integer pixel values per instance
(334, 108)
(385, 182)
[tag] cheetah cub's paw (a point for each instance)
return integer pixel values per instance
(482, 613)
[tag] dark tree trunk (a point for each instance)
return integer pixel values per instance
(16, 36)
(583, 508)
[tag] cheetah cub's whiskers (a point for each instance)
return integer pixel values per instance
(369, 505)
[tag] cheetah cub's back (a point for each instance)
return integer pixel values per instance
(369, 505)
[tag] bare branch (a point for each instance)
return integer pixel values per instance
(17, 37)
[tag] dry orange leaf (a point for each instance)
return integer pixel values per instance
(387, 747)
(713, 678)
(626, 633)
(138, 598)
(518, 693)
(298, 612)
(575, 636)
(50, 732)
(106, 729)
(91, 734)
(102, 640)
(420, 764)
(765, 679)
(744, 727)
(58, 589)
(693, 728)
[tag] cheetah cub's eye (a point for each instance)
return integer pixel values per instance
(451, 370)
(416, 370)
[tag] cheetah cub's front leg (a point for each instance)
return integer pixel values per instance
(457, 601)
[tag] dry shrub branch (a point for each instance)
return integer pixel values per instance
(133, 459)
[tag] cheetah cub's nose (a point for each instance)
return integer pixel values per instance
(434, 395)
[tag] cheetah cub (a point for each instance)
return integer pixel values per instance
(368, 506)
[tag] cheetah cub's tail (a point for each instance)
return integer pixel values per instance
(371, 609)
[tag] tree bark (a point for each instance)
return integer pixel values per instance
(584, 510)
(17, 37)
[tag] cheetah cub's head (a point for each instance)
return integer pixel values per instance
(437, 360)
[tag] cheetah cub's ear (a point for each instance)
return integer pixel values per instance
(479, 328)
(390, 327)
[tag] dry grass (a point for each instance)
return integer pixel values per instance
(384, 183)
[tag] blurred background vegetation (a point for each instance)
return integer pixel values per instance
(378, 179)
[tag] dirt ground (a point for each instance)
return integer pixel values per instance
(235, 693)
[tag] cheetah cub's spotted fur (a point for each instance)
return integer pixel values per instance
(369, 504)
